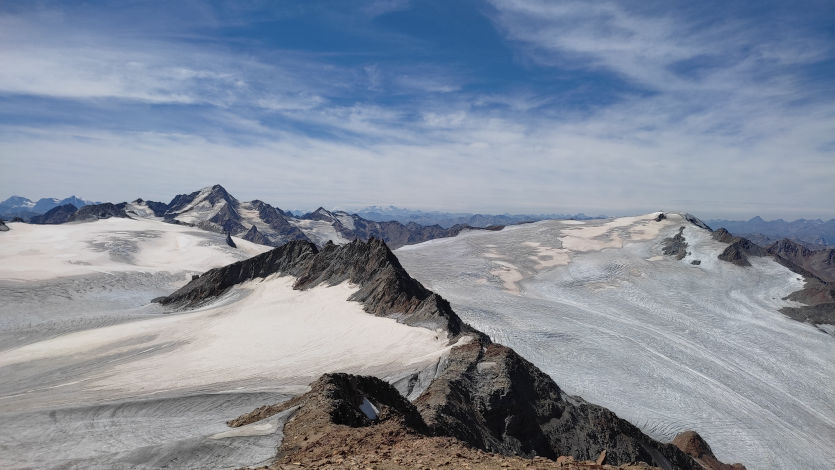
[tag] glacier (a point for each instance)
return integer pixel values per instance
(666, 344)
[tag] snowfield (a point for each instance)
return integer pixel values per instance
(95, 376)
(664, 343)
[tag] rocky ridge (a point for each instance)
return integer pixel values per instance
(385, 289)
(57, 215)
(99, 211)
(816, 266)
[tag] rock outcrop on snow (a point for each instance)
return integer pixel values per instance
(254, 236)
(3, 226)
(739, 249)
(676, 245)
(385, 287)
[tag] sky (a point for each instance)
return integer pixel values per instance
(723, 109)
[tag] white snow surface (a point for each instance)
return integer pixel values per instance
(319, 231)
(666, 344)
(36, 252)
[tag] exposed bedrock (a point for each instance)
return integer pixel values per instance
(493, 399)
(676, 245)
(739, 249)
(56, 215)
(347, 420)
(816, 266)
(254, 236)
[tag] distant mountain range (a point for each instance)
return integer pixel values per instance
(814, 234)
(213, 208)
(19, 206)
(449, 219)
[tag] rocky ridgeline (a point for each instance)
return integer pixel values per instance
(349, 421)
(385, 289)
(484, 396)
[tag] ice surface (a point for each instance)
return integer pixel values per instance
(368, 409)
(38, 252)
(665, 344)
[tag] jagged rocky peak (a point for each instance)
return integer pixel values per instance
(254, 236)
(493, 399)
(212, 195)
(788, 248)
(739, 248)
(321, 214)
(384, 287)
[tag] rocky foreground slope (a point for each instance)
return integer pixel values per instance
(482, 396)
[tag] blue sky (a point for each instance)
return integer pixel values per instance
(723, 109)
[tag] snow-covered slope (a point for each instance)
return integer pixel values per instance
(96, 376)
(667, 344)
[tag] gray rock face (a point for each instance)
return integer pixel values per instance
(58, 215)
(254, 236)
(493, 399)
(675, 246)
(821, 263)
(3, 227)
(99, 211)
(739, 249)
(229, 240)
